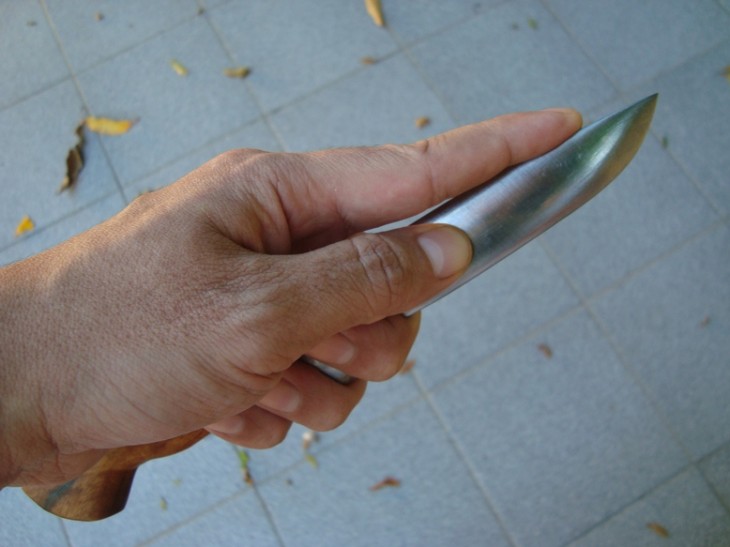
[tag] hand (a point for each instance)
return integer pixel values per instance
(192, 307)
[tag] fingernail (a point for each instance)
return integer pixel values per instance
(569, 113)
(337, 350)
(233, 425)
(448, 249)
(284, 398)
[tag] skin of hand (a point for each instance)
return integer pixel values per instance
(193, 306)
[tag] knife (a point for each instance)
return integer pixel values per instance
(499, 217)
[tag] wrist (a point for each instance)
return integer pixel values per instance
(24, 443)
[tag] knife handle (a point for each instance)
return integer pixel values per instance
(102, 490)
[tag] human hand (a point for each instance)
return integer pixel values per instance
(193, 306)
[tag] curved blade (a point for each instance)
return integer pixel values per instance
(502, 215)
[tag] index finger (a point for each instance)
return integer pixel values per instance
(362, 188)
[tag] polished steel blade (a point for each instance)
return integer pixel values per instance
(502, 215)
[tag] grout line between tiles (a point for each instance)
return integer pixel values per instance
(62, 525)
(633, 502)
(466, 460)
(80, 92)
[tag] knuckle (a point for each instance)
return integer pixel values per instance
(384, 267)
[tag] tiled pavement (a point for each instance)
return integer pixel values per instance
(626, 424)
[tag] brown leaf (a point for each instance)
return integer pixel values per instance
(108, 126)
(99, 16)
(407, 366)
(368, 60)
(178, 67)
(422, 122)
(25, 225)
(74, 160)
(726, 73)
(546, 350)
(375, 10)
(387, 482)
(237, 72)
(658, 529)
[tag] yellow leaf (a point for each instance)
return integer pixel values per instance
(237, 72)
(658, 529)
(108, 126)
(311, 460)
(25, 225)
(375, 10)
(422, 122)
(179, 68)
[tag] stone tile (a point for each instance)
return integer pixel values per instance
(256, 135)
(670, 323)
(634, 42)
(297, 46)
(87, 40)
(648, 210)
(380, 400)
(41, 130)
(486, 66)
(42, 239)
(240, 520)
(684, 506)
(166, 492)
(693, 115)
(176, 114)
(716, 469)
(27, 525)
(558, 442)
(414, 20)
(489, 313)
(377, 105)
(437, 502)
(31, 60)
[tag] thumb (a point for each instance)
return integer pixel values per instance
(370, 276)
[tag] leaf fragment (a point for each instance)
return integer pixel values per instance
(706, 321)
(25, 225)
(367, 60)
(74, 161)
(407, 366)
(243, 459)
(726, 73)
(532, 23)
(422, 121)
(237, 72)
(108, 126)
(163, 503)
(178, 67)
(311, 460)
(658, 529)
(546, 350)
(387, 482)
(99, 16)
(375, 11)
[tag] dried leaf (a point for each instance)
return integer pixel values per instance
(108, 126)
(311, 460)
(658, 529)
(163, 503)
(368, 60)
(422, 122)
(178, 67)
(387, 482)
(407, 366)
(243, 458)
(726, 73)
(237, 72)
(532, 23)
(546, 350)
(99, 16)
(74, 161)
(25, 225)
(375, 10)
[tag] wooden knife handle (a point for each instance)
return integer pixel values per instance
(102, 490)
